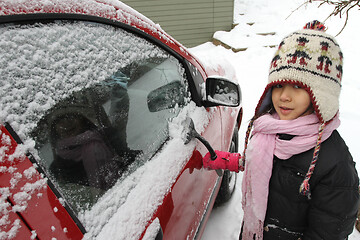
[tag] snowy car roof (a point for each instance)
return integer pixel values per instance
(109, 9)
(112, 9)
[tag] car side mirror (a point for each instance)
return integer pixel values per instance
(166, 97)
(221, 91)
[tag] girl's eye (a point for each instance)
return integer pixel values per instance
(297, 86)
(278, 86)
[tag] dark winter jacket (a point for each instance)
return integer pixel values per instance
(331, 211)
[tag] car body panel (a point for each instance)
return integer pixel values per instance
(21, 231)
(28, 190)
(176, 214)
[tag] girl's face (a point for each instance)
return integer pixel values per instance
(291, 101)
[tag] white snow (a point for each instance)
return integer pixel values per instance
(152, 230)
(252, 69)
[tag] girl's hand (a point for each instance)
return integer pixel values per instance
(224, 160)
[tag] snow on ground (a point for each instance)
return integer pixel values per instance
(252, 68)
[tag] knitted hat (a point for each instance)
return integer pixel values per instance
(312, 59)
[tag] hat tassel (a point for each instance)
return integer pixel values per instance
(305, 186)
(247, 136)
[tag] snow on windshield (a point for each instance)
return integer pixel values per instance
(39, 65)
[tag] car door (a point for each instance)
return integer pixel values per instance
(103, 108)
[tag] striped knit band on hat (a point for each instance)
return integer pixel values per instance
(312, 59)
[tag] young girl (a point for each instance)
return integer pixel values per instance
(294, 129)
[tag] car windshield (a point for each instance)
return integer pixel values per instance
(96, 100)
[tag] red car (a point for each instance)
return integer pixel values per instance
(94, 103)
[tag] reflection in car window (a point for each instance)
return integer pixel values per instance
(97, 101)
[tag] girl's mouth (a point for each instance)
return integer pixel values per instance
(285, 110)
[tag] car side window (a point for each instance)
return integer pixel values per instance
(107, 94)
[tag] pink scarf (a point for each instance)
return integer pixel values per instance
(263, 145)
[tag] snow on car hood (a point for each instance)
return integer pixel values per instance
(216, 62)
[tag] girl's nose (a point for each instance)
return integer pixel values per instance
(285, 95)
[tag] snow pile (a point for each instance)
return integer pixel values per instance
(152, 230)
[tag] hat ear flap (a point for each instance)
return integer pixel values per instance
(266, 103)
